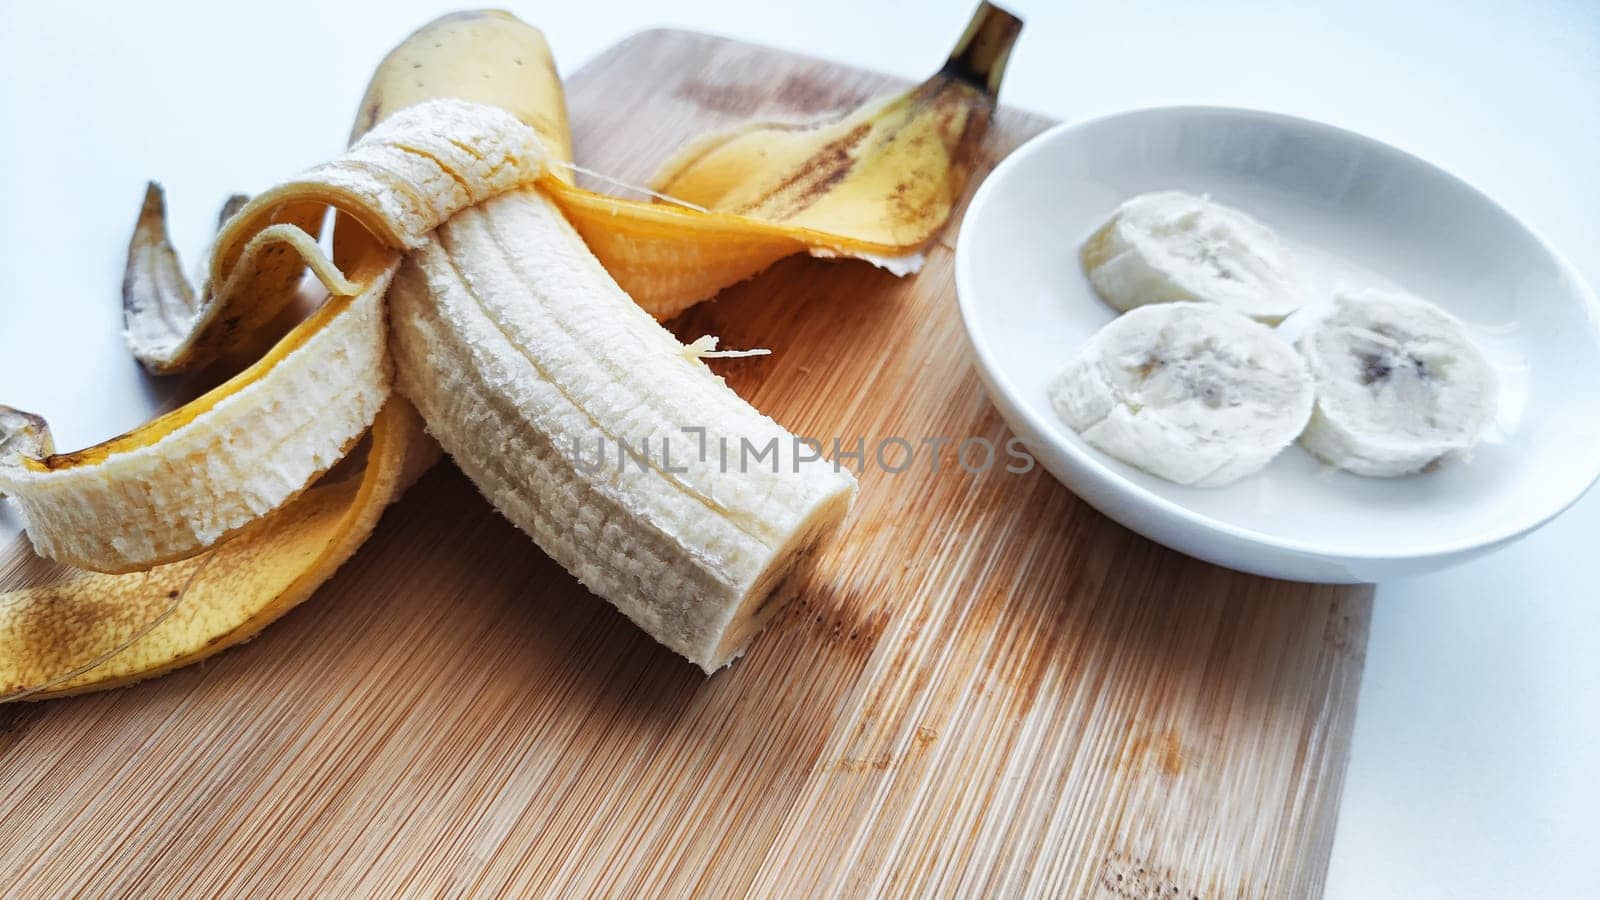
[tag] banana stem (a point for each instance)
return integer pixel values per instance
(979, 58)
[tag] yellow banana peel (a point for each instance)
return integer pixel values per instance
(876, 184)
(482, 56)
(92, 631)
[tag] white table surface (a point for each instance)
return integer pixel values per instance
(1476, 766)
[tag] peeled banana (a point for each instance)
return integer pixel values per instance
(1190, 392)
(90, 631)
(1400, 386)
(522, 354)
(454, 204)
(1169, 245)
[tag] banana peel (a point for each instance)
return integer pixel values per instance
(93, 631)
(876, 184)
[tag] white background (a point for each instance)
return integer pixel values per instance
(1476, 760)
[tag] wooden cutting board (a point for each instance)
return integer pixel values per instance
(987, 688)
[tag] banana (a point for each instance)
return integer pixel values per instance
(1169, 245)
(876, 184)
(484, 335)
(510, 336)
(1189, 392)
(533, 370)
(1400, 386)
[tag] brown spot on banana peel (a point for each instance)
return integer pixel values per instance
(827, 167)
(960, 118)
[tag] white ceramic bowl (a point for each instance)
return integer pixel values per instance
(1360, 213)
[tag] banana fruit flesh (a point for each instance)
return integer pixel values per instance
(1189, 392)
(175, 489)
(1169, 245)
(1400, 386)
(531, 367)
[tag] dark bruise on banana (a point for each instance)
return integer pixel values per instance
(467, 115)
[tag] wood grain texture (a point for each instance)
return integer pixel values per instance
(987, 688)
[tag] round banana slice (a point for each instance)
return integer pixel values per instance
(1400, 386)
(1170, 245)
(1190, 392)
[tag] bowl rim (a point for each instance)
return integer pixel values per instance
(1089, 460)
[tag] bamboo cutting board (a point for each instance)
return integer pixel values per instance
(986, 688)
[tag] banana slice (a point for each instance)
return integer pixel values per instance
(1400, 386)
(1170, 245)
(1190, 392)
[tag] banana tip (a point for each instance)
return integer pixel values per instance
(980, 57)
